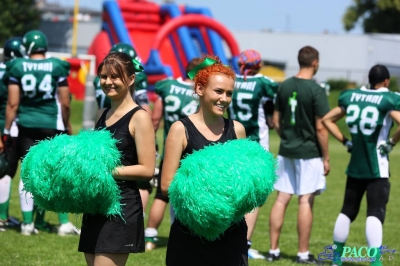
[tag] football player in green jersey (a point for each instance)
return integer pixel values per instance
(303, 156)
(12, 49)
(369, 115)
(39, 98)
(175, 102)
(251, 94)
(140, 97)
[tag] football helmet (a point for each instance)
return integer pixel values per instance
(127, 49)
(35, 41)
(13, 48)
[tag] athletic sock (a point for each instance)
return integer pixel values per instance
(39, 218)
(63, 218)
(26, 202)
(337, 258)
(342, 228)
(303, 255)
(377, 261)
(373, 232)
(5, 189)
(150, 234)
(276, 252)
(249, 244)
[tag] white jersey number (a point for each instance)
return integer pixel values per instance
(173, 103)
(245, 113)
(29, 82)
(368, 119)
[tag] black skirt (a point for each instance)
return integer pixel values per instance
(102, 234)
(185, 248)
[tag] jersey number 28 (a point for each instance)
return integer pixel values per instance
(366, 117)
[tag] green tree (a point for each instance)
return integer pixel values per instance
(17, 17)
(377, 16)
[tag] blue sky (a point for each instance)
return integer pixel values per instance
(299, 16)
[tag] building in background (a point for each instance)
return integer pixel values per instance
(342, 56)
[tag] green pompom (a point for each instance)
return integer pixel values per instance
(74, 173)
(216, 186)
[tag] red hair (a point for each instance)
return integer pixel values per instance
(203, 76)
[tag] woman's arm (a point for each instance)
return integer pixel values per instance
(157, 113)
(144, 136)
(174, 146)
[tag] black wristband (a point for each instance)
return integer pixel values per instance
(345, 140)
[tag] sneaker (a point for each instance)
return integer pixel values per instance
(309, 260)
(254, 254)
(3, 225)
(49, 228)
(68, 229)
(13, 222)
(272, 257)
(28, 229)
(149, 246)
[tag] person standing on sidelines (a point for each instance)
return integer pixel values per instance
(11, 49)
(251, 94)
(175, 102)
(369, 116)
(39, 98)
(214, 85)
(140, 97)
(303, 152)
(109, 240)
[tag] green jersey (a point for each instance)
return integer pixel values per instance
(369, 122)
(177, 98)
(3, 94)
(38, 81)
(299, 102)
(140, 96)
(247, 105)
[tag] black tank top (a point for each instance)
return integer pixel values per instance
(196, 141)
(120, 130)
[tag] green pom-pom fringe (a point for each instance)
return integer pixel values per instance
(216, 186)
(73, 174)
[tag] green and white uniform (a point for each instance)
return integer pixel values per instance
(38, 80)
(248, 100)
(3, 96)
(140, 97)
(369, 122)
(301, 170)
(178, 102)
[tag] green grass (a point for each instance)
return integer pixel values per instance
(50, 249)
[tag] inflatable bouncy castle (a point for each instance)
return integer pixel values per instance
(165, 36)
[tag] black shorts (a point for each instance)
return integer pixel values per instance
(102, 234)
(159, 194)
(185, 248)
(377, 189)
(12, 158)
(27, 137)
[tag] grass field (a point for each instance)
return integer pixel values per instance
(50, 249)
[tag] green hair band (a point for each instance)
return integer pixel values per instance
(206, 63)
(137, 65)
